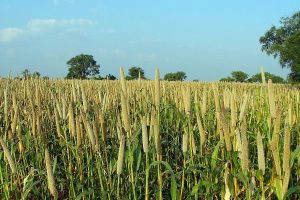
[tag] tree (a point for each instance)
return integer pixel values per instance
(36, 75)
(45, 77)
(26, 74)
(228, 79)
(256, 78)
(283, 42)
(236, 76)
(82, 67)
(239, 76)
(135, 72)
(110, 77)
(177, 76)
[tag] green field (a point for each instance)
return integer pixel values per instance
(72, 139)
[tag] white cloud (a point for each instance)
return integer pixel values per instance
(10, 52)
(8, 34)
(38, 25)
(42, 24)
(119, 53)
(109, 30)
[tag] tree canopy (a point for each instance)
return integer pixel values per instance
(256, 78)
(236, 76)
(177, 76)
(240, 76)
(283, 42)
(82, 67)
(27, 75)
(227, 79)
(135, 72)
(110, 77)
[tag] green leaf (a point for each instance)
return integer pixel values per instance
(214, 156)
(291, 191)
(235, 157)
(54, 164)
(259, 174)
(173, 189)
(295, 154)
(195, 189)
(84, 194)
(29, 187)
(278, 186)
(243, 178)
(207, 185)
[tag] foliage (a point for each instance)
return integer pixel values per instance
(236, 76)
(82, 67)
(110, 77)
(239, 76)
(283, 42)
(228, 79)
(36, 75)
(135, 72)
(27, 75)
(177, 76)
(257, 78)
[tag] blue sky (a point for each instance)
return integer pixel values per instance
(206, 39)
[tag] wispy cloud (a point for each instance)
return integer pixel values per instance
(42, 24)
(8, 34)
(56, 2)
(109, 30)
(38, 25)
(119, 53)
